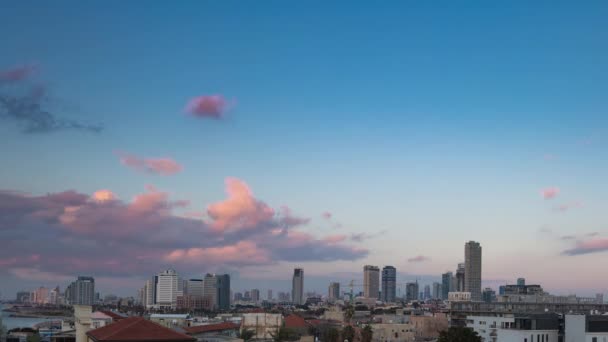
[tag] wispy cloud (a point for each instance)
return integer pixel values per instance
(567, 206)
(161, 166)
(419, 258)
(587, 247)
(30, 106)
(550, 192)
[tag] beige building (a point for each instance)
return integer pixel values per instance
(371, 281)
(396, 332)
(427, 327)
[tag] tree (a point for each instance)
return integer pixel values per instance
(285, 334)
(349, 312)
(348, 333)
(459, 334)
(366, 334)
(330, 335)
(246, 335)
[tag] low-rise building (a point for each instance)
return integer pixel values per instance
(263, 325)
(396, 332)
(136, 329)
(171, 320)
(214, 332)
(586, 328)
(516, 327)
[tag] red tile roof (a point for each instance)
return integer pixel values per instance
(211, 327)
(295, 321)
(113, 315)
(136, 329)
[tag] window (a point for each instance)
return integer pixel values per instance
(525, 340)
(594, 339)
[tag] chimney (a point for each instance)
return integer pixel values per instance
(82, 321)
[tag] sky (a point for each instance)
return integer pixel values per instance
(255, 137)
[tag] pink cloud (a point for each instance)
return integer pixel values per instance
(17, 73)
(568, 206)
(549, 193)
(419, 258)
(589, 246)
(241, 253)
(161, 166)
(30, 273)
(326, 215)
(103, 195)
(287, 219)
(240, 211)
(207, 106)
(333, 239)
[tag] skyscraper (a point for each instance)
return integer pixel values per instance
(195, 287)
(389, 284)
(269, 296)
(460, 276)
(371, 281)
(255, 295)
(166, 289)
(333, 291)
(427, 292)
(210, 290)
(411, 291)
(521, 281)
(437, 292)
(81, 291)
(446, 285)
(472, 269)
(297, 286)
(223, 292)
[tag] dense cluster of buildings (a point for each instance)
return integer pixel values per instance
(167, 290)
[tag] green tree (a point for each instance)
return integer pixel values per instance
(246, 335)
(348, 333)
(330, 335)
(367, 334)
(459, 334)
(349, 312)
(34, 338)
(285, 334)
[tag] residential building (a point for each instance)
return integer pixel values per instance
(297, 287)
(81, 291)
(589, 328)
(393, 332)
(371, 281)
(42, 295)
(167, 289)
(263, 325)
(333, 292)
(446, 285)
(389, 284)
(411, 291)
(214, 332)
(171, 321)
(509, 327)
(136, 329)
(150, 292)
(472, 269)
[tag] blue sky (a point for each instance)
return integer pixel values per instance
(430, 122)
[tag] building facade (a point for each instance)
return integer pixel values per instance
(297, 287)
(333, 292)
(411, 291)
(472, 269)
(371, 281)
(446, 285)
(389, 284)
(167, 289)
(81, 291)
(223, 292)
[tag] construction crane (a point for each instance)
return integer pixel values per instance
(351, 285)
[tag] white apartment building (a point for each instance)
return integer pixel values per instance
(167, 289)
(516, 327)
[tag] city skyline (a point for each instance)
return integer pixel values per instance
(327, 147)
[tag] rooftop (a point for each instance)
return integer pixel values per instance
(134, 329)
(211, 328)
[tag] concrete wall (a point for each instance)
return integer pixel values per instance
(575, 328)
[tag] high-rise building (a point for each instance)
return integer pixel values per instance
(238, 296)
(472, 269)
(81, 291)
(42, 295)
(521, 281)
(297, 286)
(195, 287)
(427, 292)
(389, 284)
(437, 291)
(150, 292)
(269, 296)
(371, 281)
(446, 285)
(223, 292)
(167, 289)
(55, 296)
(488, 295)
(210, 289)
(333, 292)
(255, 295)
(411, 291)
(460, 276)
